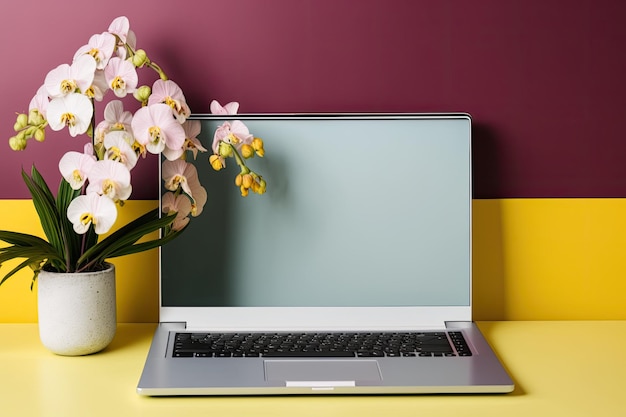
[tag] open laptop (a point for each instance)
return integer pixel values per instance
(363, 238)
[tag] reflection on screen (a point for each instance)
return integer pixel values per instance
(361, 212)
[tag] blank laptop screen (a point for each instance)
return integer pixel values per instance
(359, 211)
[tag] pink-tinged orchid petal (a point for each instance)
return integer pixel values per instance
(235, 133)
(74, 111)
(192, 143)
(173, 154)
(230, 108)
(199, 197)
(168, 92)
(115, 118)
(118, 148)
(155, 128)
(131, 40)
(89, 209)
(40, 101)
(115, 114)
(99, 86)
(179, 204)
(88, 149)
(241, 132)
(120, 27)
(100, 47)
(67, 79)
(179, 173)
(75, 167)
(110, 178)
(121, 77)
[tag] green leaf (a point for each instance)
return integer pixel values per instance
(24, 264)
(35, 254)
(46, 208)
(122, 240)
(144, 246)
(22, 239)
(72, 240)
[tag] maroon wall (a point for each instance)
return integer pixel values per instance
(543, 80)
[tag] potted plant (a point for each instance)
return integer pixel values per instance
(76, 283)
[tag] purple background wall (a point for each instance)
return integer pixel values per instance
(543, 80)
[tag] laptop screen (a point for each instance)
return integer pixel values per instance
(360, 210)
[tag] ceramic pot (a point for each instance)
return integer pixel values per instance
(77, 311)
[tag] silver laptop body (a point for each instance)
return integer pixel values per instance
(365, 228)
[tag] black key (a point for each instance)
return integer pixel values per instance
(370, 354)
(436, 348)
(195, 349)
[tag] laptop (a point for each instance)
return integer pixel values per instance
(350, 275)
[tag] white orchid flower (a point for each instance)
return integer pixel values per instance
(73, 110)
(100, 47)
(67, 79)
(118, 148)
(121, 77)
(168, 92)
(110, 178)
(75, 167)
(115, 118)
(89, 209)
(155, 128)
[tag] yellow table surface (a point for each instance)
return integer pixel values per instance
(560, 369)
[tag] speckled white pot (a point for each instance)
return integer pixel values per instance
(77, 311)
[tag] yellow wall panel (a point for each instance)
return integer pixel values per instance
(543, 259)
(534, 259)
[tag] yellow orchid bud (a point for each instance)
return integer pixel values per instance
(40, 135)
(216, 162)
(247, 180)
(17, 143)
(257, 144)
(21, 122)
(244, 191)
(262, 187)
(247, 151)
(140, 58)
(238, 180)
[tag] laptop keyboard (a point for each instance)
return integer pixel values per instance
(327, 345)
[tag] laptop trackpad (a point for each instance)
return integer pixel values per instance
(300, 372)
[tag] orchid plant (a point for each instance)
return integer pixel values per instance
(96, 181)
